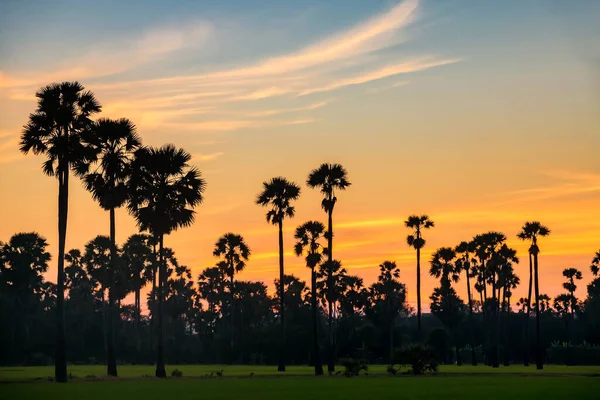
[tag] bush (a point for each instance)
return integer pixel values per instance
(353, 367)
(420, 359)
(569, 354)
(176, 373)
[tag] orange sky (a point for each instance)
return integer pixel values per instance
(480, 127)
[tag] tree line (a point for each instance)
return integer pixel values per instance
(220, 319)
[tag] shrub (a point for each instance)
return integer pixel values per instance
(420, 359)
(177, 373)
(90, 376)
(353, 367)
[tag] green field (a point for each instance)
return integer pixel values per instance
(554, 382)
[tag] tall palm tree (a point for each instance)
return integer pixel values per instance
(54, 130)
(415, 240)
(463, 263)
(235, 253)
(307, 238)
(164, 190)
(278, 194)
(531, 231)
(115, 142)
(329, 178)
(595, 266)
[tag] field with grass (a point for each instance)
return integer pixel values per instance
(264, 383)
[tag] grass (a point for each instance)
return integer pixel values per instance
(259, 382)
(138, 371)
(291, 388)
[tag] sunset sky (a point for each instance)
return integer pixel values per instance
(481, 114)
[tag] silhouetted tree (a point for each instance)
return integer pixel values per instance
(388, 295)
(329, 178)
(463, 263)
(137, 254)
(235, 252)
(164, 189)
(54, 129)
(307, 238)
(531, 231)
(415, 240)
(114, 142)
(279, 194)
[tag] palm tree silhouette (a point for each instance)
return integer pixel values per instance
(463, 263)
(235, 253)
(329, 178)
(417, 224)
(307, 238)
(164, 190)
(595, 266)
(54, 129)
(572, 274)
(115, 142)
(137, 253)
(278, 194)
(531, 231)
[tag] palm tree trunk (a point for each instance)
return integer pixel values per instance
(331, 352)
(473, 356)
(104, 330)
(281, 366)
(160, 356)
(315, 321)
(418, 288)
(539, 358)
(527, 339)
(111, 360)
(137, 318)
(60, 363)
(232, 311)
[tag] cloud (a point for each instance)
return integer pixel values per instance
(118, 55)
(401, 68)
(206, 157)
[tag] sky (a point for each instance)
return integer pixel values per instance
(480, 114)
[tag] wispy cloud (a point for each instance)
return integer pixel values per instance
(206, 157)
(177, 101)
(401, 68)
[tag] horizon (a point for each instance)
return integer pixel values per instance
(480, 126)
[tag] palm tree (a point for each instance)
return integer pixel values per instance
(465, 249)
(415, 240)
(531, 231)
(595, 266)
(329, 178)
(164, 189)
(572, 274)
(115, 142)
(278, 194)
(54, 129)
(235, 253)
(137, 253)
(307, 242)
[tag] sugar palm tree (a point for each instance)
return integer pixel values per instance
(164, 190)
(307, 238)
(235, 253)
(595, 266)
(531, 231)
(415, 240)
(463, 263)
(329, 178)
(54, 130)
(114, 142)
(572, 274)
(278, 194)
(137, 254)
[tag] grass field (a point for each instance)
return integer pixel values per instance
(516, 382)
